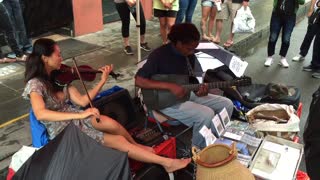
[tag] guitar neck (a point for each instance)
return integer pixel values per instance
(220, 84)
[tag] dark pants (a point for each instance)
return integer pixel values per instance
(311, 32)
(278, 22)
(7, 27)
(15, 12)
(124, 13)
(316, 48)
(186, 9)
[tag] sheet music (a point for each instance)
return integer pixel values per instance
(237, 66)
(207, 134)
(208, 62)
(207, 45)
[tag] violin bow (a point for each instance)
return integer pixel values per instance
(84, 86)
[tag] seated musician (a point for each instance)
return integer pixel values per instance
(178, 57)
(51, 107)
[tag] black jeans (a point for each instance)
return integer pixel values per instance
(278, 22)
(311, 32)
(124, 13)
(15, 13)
(316, 48)
(7, 27)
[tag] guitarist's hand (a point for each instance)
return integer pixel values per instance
(177, 90)
(203, 90)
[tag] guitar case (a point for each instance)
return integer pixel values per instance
(255, 94)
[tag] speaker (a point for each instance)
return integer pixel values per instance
(119, 106)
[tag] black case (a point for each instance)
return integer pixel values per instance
(252, 95)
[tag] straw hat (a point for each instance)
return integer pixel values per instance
(218, 162)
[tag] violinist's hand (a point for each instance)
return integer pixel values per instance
(105, 72)
(203, 90)
(177, 90)
(90, 112)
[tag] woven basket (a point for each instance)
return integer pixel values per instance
(218, 162)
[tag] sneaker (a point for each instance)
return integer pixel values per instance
(145, 47)
(22, 58)
(11, 55)
(28, 50)
(298, 58)
(268, 61)
(309, 68)
(283, 62)
(316, 75)
(128, 50)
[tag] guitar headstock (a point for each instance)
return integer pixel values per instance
(242, 81)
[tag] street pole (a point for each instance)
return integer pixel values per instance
(138, 29)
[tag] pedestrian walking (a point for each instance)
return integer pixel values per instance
(7, 27)
(209, 10)
(186, 10)
(124, 8)
(310, 34)
(232, 6)
(18, 25)
(283, 18)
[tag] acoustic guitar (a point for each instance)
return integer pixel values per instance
(159, 99)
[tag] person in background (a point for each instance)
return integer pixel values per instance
(283, 17)
(177, 58)
(311, 32)
(124, 8)
(166, 11)
(233, 6)
(315, 62)
(186, 9)
(208, 11)
(220, 17)
(7, 27)
(16, 17)
(51, 106)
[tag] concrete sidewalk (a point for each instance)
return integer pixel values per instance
(14, 109)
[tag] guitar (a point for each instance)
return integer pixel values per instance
(159, 99)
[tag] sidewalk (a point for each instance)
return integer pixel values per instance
(11, 75)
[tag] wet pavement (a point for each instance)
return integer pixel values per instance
(14, 125)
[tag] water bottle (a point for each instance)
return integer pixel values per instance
(218, 4)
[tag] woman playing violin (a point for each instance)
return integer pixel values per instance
(51, 106)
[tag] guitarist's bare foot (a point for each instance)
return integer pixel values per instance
(177, 164)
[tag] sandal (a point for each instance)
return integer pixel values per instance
(228, 44)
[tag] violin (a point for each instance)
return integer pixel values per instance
(66, 74)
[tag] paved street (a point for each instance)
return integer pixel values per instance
(251, 47)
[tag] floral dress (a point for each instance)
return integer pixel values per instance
(52, 103)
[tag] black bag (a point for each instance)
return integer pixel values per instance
(315, 17)
(254, 94)
(311, 137)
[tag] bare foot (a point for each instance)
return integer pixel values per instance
(177, 164)
(215, 40)
(205, 37)
(147, 148)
